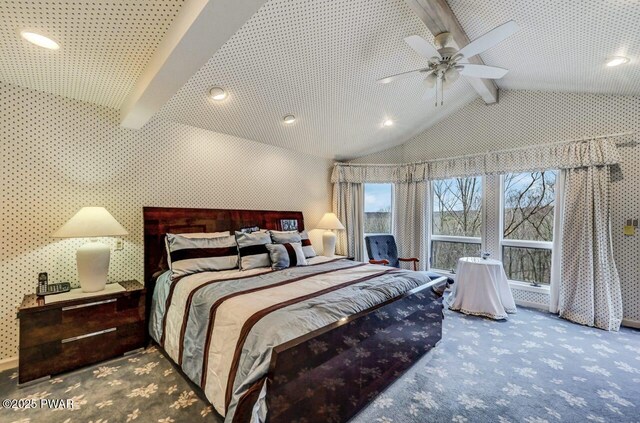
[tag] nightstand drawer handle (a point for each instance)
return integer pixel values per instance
(89, 304)
(88, 335)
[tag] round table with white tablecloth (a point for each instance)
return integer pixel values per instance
(481, 289)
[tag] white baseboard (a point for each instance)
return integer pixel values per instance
(631, 323)
(544, 307)
(8, 363)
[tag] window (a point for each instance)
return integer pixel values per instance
(527, 220)
(456, 220)
(377, 208)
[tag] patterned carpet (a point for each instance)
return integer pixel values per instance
(535, 368)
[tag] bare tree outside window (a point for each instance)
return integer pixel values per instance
(529, 200)
(528, 205)
(456, 213)
(457, 207)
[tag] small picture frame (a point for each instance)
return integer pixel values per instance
(289, 224)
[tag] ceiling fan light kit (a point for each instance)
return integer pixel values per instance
(446, 63)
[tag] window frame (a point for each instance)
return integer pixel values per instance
(481, 240)
(539, 245)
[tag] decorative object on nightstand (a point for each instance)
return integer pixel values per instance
(58, 336)
(93, 257)
(329, 222)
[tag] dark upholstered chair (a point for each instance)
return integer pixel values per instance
(382, 249)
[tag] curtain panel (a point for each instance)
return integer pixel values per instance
(410, 217)
(590, 292)
(553, 156)
(348, 205)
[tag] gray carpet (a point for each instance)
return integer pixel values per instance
(534, 368)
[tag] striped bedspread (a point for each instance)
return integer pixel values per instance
(220, 327)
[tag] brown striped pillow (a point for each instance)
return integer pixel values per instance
(193, 255)
(286, 255)
(252, 250)
(194, 235)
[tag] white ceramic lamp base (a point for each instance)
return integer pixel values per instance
(93, 266)
(329, 244)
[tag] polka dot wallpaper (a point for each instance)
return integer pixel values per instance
(59, 155)
(523, 118)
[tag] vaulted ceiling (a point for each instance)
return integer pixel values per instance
(562, 44)
(316, 59)
(319, 60)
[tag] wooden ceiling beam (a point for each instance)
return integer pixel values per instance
(439, 18)
(199, 30)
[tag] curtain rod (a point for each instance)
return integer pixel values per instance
(576, 140)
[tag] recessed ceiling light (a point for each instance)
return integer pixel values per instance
(217, 94)
(617, 61)
(289, 119)
(40, 40)
(387, 123)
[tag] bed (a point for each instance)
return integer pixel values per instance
(308, 343)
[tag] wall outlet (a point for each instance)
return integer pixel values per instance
(119, 245)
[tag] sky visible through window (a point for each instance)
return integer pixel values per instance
(377, 197)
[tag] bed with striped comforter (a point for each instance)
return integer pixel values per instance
(220, 327)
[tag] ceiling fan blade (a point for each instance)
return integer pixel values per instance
(430, 93)
(422, 46)
(397, 76)
(482, 71)
(490, 39)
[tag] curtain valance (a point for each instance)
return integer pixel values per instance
(345, 172)
(553, 156)
(559, 156)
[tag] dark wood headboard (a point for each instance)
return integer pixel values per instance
(158, 221)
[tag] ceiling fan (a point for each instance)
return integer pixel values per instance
(446, 64)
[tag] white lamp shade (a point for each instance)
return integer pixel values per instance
(91, 222)
(330, 221)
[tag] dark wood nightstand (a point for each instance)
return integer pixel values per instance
(62, 336)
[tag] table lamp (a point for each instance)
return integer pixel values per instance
(93, 257)
(329, 222)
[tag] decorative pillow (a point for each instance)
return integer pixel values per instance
(252, 249)
(286, 255)
(193, 255)
(281, 237)
(194, 235)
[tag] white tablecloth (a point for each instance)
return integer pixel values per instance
(481, 289)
